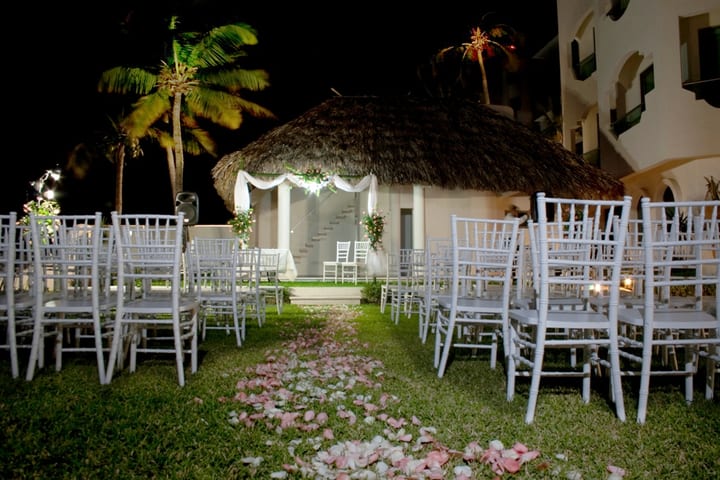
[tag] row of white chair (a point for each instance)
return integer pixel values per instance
(572, 314)
(114, 290)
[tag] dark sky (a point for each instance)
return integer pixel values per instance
(357, 48)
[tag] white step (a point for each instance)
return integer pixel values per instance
(330, 295)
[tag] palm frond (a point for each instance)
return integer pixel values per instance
(237, 79)
(127, 80)
(198, 141)
(146, 111)
(221, 45)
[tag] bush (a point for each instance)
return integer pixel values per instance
(371, 292)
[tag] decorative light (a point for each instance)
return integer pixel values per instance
(44, 186)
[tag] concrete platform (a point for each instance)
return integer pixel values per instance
(325, 295)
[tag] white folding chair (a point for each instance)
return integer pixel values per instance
(351, 269)
(391, 273)
(15, 299)
(581, 251)
(215, 283)
(270, 278)
(475, 313)
(153, 313)
(72, 300)
(409, 291)
(674, 327)
(331, 268)
(438, 275)
(253, 296)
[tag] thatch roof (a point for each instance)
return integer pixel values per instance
(454, 144)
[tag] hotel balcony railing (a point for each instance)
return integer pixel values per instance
(585, 67)
(631, 119)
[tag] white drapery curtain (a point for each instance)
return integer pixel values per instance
(242, 189)
(376, 262)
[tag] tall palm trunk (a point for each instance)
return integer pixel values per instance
(178, 144)
(119, 173)
(486, 90)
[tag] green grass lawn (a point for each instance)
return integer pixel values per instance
(250, 410)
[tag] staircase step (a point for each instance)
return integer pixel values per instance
(325, 295)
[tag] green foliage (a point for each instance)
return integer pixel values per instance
(371, 292)
(713, 188)
(201, 78)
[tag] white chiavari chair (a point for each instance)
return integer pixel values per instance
(216, 285)
(678, 323)
(331, 268)
(249, 276)
(578, 253)
(154, 314)
(16, 300)
(475, 313)
(72, 300)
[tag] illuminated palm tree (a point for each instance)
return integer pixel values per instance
(484, 43)
(200, 79)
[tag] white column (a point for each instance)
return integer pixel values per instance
(283, 231)
(418, 216)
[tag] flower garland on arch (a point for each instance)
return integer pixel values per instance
(242, 190)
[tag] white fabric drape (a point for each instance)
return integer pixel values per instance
(242, 189)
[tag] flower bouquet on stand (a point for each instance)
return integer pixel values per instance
(241, 225)
(374, 223)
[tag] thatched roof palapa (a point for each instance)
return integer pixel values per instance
(449, 143)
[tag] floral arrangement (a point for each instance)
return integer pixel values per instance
(241, 224)
(374, 224)
(41, 207)
(313, 180)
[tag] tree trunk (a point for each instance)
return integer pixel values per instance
(119, 178)
(177, 144)
(486, 91)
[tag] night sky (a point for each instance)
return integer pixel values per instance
(308, 50)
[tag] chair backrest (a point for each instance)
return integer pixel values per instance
(483, 256)
(582, 249)
(342, 251)
(214, 264)
(270, 265)
(360, 251)
(681, 245)
(66, 253)
(8, 245)
(149, 253)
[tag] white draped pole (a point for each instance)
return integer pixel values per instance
(418, 217)
(283, 231)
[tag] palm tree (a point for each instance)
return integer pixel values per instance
(484, 43)
(200, 80)
(117, 145)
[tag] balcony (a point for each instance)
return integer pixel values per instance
(628, 121)
(585, 67)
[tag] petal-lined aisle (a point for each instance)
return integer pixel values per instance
(318, 381)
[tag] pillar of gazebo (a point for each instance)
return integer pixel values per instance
(283, 231)
(418, 217)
